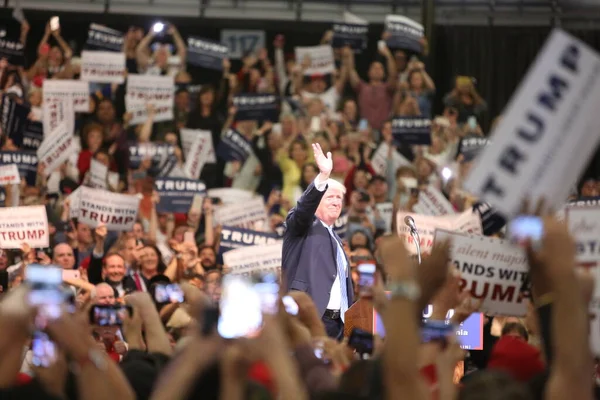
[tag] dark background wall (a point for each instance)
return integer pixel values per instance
(497, 56)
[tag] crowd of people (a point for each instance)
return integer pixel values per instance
(169, 349)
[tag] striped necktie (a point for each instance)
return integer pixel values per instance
(341, 270)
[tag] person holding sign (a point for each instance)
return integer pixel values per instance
(313, 258)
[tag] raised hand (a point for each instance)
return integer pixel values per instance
(325, 163)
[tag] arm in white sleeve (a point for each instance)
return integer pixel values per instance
(321, 186)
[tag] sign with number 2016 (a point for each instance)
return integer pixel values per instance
(242, 42)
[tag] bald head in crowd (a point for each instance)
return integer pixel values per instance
(63, 255)
(105, 295)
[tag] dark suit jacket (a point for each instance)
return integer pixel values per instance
(309, 252)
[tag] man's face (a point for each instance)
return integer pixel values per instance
(331, 204)
(182, 101)
(105, 295)
(207, 258)
(138, 230)
(378, 188)
(63, 256)
(114, 268)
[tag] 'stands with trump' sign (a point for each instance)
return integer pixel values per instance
(117, 211)
(20, 225)
(493, 270)
(254, 259)
(548, 133)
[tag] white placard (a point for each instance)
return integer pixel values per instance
(147, 89)
(492, 269)
(74, 203)
(189, 135)
(243, 42)
(117, 211)
(55, 111)
(98, 174)
(379, 161)
(467, 222)
(196, 158)
(103, 67)
(321, 59)
(386, 211)
(56, 148)
(9, 175)
(242, 215)
(548, 132)
(584, 225)
(433, 202)
(20, 225)
(76, 91)
(231, 195)
(254, 259)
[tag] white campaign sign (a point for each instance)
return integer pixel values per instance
(188, 136)
(242, 42)
(56, 148)
(321, 59)
(433, 202)
(20, 225)
(492, 269)
(379, 161)
(196, 158)
(242, 215)
(117, 211)
(9, 175)
(103, 67)
(548, 132)
(231, 195)
(76, 91)
(254, 259)
(584, 225)
(467, 222)
(55, 111)
(147, 89)
(97, 175)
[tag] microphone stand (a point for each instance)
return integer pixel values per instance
(417, 240)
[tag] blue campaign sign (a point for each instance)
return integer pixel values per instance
(469, 333)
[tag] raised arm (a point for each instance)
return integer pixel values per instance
(348, 62)
(301, 217)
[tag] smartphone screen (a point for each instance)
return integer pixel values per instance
(291, 307)
(46, 293)
(171, 293)
(315, 124)
(524, 228)
(363, 124)
(361, 341)
(472, 122)
(267, 289)
(54, 23)
(43, 350)
(240, 307)
(366, 276)
(102, 315)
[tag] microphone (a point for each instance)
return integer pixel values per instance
(410, 222)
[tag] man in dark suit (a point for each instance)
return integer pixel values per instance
(313, 258)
